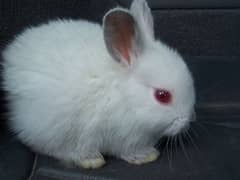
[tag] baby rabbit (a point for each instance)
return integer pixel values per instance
(77, 90)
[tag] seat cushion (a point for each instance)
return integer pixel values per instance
(15, 159)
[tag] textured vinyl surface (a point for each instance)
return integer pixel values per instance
(15, 158)
(200, 32)
(188, 4)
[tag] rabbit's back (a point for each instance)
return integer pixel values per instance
(56, 47)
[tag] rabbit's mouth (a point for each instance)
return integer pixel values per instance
(178, 125)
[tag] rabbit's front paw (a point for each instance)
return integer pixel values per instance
(93, 162)
(142, 156)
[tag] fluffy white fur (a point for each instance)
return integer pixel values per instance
(71, 100)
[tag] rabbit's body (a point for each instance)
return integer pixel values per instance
(69, 98)
(69, 79)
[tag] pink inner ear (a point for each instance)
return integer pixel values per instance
(120, 27)
(124, 51)
(124, 37)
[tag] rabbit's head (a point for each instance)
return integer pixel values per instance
(159, 86)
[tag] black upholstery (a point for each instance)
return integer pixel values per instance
(208, 39)
(189, 4)
(15, 159)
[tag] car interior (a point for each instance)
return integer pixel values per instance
(206, 33)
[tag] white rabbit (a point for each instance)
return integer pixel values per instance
(77, 90)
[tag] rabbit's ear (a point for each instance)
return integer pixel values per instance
(143, 16)
(121, 35)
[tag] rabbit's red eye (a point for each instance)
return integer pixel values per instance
(163, 96)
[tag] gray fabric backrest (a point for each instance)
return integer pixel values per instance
(189, 3)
